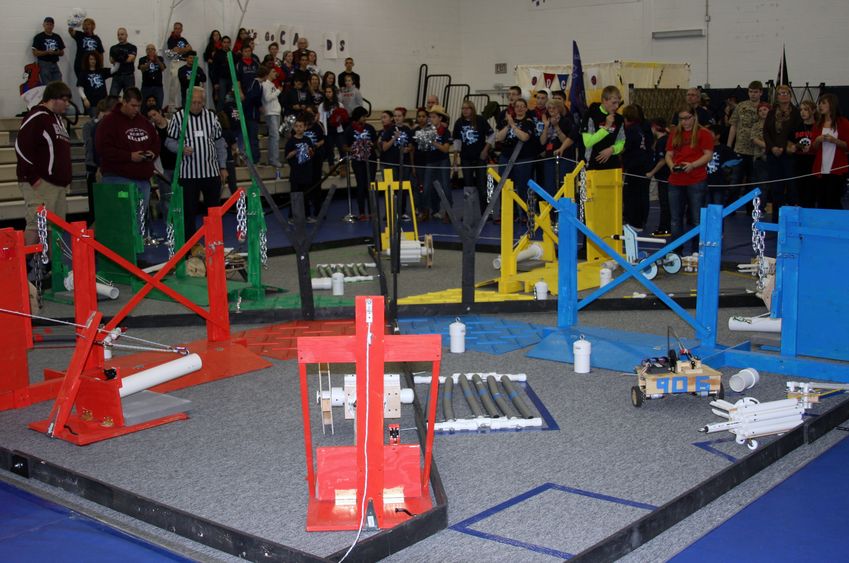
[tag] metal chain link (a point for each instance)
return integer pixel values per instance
(490, 187)
(169, 239)
(758, 238)
(532, 211)
(582, 193)
(142, 213)
(41, 225)
(241, 218)
(263, 249)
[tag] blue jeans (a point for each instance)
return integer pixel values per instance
(253, 138)
(695, 196)
(49, 72)
(120, 83)
(155, 91)
(143, 186)
(520, 174)
(273, 124)
(439, 170)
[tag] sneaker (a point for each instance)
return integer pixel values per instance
(661, 233)
(405, 218)
(362, 218)
(438, 215)
(311, 219)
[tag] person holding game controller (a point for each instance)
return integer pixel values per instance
(688, 150)
(127, 144)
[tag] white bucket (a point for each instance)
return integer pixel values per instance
(337, 283)
(744, 379)
(604, 277)
(322, 283)
(457, 334)
(581, 351)
(541, 290)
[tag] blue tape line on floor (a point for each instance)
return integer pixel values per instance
(465, 525)
(708, 447)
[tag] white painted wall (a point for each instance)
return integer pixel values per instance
(389, 39)
(745, 37)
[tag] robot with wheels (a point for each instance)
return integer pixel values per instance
(679, 372)
(671, 263)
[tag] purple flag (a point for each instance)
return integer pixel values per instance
(577, 93)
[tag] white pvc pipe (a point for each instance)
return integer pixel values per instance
(754, 324)
(159, 374)
(744, 379)
(533, 252)
(484, 422)
(425, 379)
(104, 290)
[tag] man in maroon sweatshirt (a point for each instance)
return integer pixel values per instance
(43, 150)
(127, 143)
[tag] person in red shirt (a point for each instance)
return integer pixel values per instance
(43, 150)
(688, 150)
(831, 133)
(128, 144)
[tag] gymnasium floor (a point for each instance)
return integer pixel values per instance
(596, 466)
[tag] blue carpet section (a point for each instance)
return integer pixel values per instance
(466, 526)
(34, 529)
(483, 334)
(801, 519)
(612, 349)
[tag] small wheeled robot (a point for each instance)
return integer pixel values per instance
(671, 263)
(678, 372)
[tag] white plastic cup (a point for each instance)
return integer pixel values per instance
(541, 290)
(605, 276)
(337, 283)
(457, 334)
(581, 351)
(744, 379)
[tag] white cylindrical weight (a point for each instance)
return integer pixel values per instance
(407, 396)
(581, 351)
(322, 283)
(457, 333)
(337, 283)
(754, 324)
(604, 277)
(541, 290)
(160, 374)
(744, 379)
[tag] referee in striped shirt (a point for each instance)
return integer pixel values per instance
(204, 166)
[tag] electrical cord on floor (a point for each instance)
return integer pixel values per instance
(369, 336)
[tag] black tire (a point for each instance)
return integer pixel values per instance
(673, 360)
(637, 396)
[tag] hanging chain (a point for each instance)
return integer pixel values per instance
(758, 236)
(241, 218)
(142, 226)
(532, 212)
(263, 249)
(41, 225)
(169, 239)
(582, 193)
(490, 187)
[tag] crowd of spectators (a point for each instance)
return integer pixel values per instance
(314, 116)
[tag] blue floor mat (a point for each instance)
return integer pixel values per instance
(37, 530)
(801, 519)
(483, 334)
(616, 350)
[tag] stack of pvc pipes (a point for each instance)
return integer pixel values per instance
(355, 272)
(494, 399)
(412, 251)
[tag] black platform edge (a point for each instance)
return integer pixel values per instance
(218, 536)
(264, 316)
(386, 542)
(224, 538)
(652, 525)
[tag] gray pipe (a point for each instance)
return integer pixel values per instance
(448, 399)
(486, 399)
(517, 399)
(361, 269)
(500, 399)
(470, 397)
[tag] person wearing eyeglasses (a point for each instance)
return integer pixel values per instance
(689, 149)
(43, 150)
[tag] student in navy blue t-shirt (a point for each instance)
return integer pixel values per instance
(359, 139)
(437, 166)
(472, 138)
(660, 172)
(299, 155)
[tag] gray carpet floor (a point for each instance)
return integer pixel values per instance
(239, 459)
